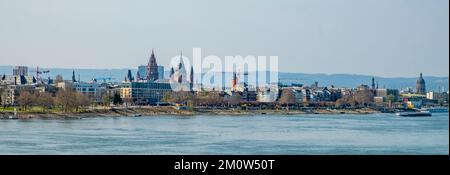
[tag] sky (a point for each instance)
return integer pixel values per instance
(390, 38)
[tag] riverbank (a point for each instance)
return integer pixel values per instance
(158, 111)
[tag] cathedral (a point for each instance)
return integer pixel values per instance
(420, 85)
(179, 75)
(152, 68)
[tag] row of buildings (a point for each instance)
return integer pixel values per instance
(150, 86)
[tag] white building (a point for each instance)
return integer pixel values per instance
(92, 90)
(435, 95)
(267, 94)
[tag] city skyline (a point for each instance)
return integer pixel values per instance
(386, 38)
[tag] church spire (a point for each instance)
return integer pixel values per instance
(172, 71)
(73, 77)
(138, 76)
(181, 61)
(373, 82)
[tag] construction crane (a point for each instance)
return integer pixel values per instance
(39, 72)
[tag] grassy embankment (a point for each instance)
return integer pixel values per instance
(38, 112)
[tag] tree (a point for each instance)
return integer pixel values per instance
(66, 98)
(25, 99)
(45, 100)
(212, 98)
(363, 97)
(81, 101)
(345, 101)
(117, 99)
(1, 95)
(234, 100)
(181, 97)
(287, 97)
(106, 100)
(128, 101)
(69, 100)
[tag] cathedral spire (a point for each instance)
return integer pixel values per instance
(153, 54)
(152, 68)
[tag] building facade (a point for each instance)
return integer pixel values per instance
(437, 96)
(20, 71)
(125, 90)
(160, 72)
(141, 73)
(7, 95)
(149, 92)
(93, 91)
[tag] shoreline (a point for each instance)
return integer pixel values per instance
(169, 111)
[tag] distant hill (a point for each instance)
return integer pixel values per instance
(338, 80)
(347, 80)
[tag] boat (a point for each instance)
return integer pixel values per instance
(414, 114)
(137, 115)
(13, 117)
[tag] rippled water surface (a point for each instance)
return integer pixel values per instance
(305, 134)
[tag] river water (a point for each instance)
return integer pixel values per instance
(305, 134)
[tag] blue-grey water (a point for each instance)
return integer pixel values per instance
(305, 134)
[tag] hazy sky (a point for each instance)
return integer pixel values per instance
(376, 37)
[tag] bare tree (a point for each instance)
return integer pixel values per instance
(181, 97)
(128, 101)
(287, 97)
(211, 99)
(25, 99)
(71, 100)
(66, 98)
(234, 100)
(81, 101)
(45, 100)
(208, 99)
(106, 100)
(363, 97)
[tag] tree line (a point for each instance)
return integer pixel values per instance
(68, 100)
(287, 98)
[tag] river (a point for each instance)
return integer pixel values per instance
(305, 134)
